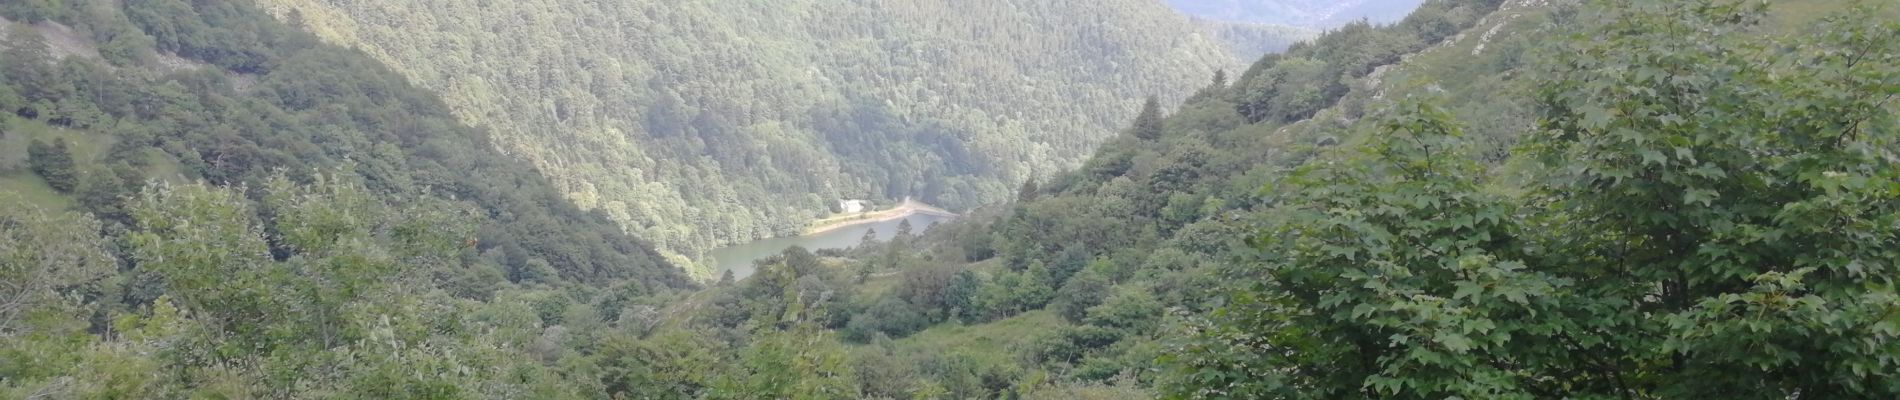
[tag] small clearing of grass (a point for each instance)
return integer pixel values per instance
(884, 281)
(994, 343)
(879, 283)
(15, 177)
(989, 266)
(20, 132)
(89, 151)
(31, 190)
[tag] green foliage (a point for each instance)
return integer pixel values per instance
(327, 318)
(247, 96)
(1164, 207)
(1393, 275)
(623, 104)
(1133, 309)
(1073, 301)
(882, 374)
(890, 317)
(960, 299)
(787, 352)
(354, 245)
(28, 65)
(1310, 76)
(797, 364)
(1705, 221)
(1011, 293)
(1136, 231)
(1756, 195)
(106, 191)
(49, 262)
(31, 10)
(1706, 209)
(1148, 121)
(673, 365)
(932, 289)
(54, 163)
(207, 246)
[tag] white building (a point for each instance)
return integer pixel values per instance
(852, 206)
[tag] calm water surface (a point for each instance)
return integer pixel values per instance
(738, 258)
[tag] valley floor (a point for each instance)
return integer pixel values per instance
(907, 208)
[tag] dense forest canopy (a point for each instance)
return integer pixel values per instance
(1458, 214)
(701, 123)
(1605, 199)
(207, 91)
(1704, 208)
(196, 200)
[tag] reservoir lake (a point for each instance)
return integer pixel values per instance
(738, 258)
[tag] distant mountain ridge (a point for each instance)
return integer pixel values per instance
(1310, 14)
(1250, 41)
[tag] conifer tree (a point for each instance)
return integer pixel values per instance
(1148, 123)
(54, 163)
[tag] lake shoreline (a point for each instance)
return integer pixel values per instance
(905, 210)
(742, 258)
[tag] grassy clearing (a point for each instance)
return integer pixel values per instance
(882, 282)
(89, 151)
(30, 189)
(15, 177)
(20, 132)
(994, 343)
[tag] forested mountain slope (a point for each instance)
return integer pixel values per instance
(207, 91)
(197, 201)
(697, 123)
(1249, 40)
(1309, 14)
(1491, 199)
(1616, 199)
(1075, 289)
